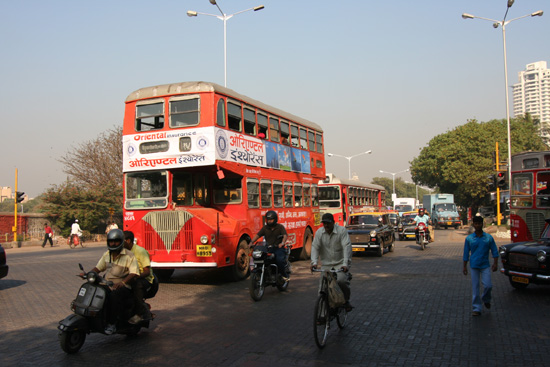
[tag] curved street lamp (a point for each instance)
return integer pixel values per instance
(503, 23)
(349, 159)
(225, 18)
(393, 175)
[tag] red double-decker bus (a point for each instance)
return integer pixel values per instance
(342, 197)
(529, 195)
(202, 166)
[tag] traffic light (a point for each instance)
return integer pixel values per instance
(19, 197)
(491, 182)
(501, 179)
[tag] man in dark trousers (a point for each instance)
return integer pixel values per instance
(275, 236)
(47, 235)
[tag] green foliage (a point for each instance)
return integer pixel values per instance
(67, 202)
(459, 161)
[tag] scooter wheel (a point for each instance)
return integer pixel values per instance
(72, 341)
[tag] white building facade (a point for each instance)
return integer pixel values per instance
(532, 94)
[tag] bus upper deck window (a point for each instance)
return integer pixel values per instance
(249, 121)
(319, 140)
(184, 112)
(274, 129)
(295, 138)
(234, 116)
(150, 116)
(220, 115)
(311, 140)
(262, 126)
(285, 133)
(303, 139)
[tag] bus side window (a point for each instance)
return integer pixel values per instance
(311, 141)
(277, 194)
(262, 126)
(294, 137)
(314, 195)
(234, 116)
(253, 193)
(297, 195)
(220, 114)
(288, 194)
(319, 140)
(307, 195)
(249, 121)
(303, 139)
(150, 116)
(265, 189)
(274, 129)
(285, 133)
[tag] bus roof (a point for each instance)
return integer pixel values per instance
(198, 87)
(331, 179)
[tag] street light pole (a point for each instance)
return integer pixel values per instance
(349, 159)
(496, 24)
(224, 17)
(393, 176)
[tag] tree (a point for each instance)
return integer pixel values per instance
(94, 184)
(460, 160)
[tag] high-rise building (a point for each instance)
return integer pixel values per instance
(532, 94)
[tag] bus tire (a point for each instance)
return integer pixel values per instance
(241, 268)
(306, 248)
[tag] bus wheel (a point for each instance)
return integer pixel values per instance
(240, 269)
(306, 249)
(163, 274)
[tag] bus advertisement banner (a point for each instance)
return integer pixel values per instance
(203, 146)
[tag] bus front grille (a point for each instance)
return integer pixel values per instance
(535, 224)
(163, 231)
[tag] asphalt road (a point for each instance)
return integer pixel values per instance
(413, 308)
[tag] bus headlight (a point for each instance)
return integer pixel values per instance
(204, 239)
(541, 256)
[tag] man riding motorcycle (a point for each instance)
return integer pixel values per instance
(122, 269)
(423, 218)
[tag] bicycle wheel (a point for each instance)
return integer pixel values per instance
(321, 321)
(341, 317)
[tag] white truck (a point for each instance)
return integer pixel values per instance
(404, 205)
(442, 210)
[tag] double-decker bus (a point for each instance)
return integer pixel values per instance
(529, 195)
(342, 197)
(202, 166)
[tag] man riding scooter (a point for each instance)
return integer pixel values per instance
(122, 269)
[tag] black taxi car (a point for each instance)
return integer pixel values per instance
(407, 226)
(3, 265)
(527, 262)
(371, 232)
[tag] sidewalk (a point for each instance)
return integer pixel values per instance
(36, 245)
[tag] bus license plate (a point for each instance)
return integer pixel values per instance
(520, 280)
(358, 249)
(204, 250)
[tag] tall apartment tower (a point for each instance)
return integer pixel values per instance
(532, 94)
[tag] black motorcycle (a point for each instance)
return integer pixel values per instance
(265, 272)
(90, 314)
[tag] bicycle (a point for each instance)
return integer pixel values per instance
(324, 314)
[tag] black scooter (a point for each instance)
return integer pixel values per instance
(265, 272)
(90, 314)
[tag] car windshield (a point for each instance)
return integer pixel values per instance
(356, 220)
(406, 218)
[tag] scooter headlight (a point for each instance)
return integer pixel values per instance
(91, 277)
(257, 254)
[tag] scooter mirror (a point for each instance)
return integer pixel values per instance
(81, 267)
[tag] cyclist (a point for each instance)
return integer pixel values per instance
(332, 246)
(275, 236)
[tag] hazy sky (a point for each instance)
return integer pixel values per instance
(384, 76)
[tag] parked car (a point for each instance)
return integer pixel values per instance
(371, 232)
(527, 262)
(3, 264)
(407, 225)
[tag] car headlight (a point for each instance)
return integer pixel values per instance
(373, 233)
(541, 256)
(204, 239)
(502, 251)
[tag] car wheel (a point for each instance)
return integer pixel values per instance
(380, 252)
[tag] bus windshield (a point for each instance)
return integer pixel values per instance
(146, 190)
(329, 197)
